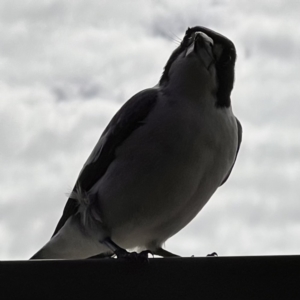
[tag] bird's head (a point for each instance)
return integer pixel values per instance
(202, 63)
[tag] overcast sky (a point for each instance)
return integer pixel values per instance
(68, 66)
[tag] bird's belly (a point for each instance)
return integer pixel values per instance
(161, 182)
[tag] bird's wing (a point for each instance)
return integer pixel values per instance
(126, 120)
(240, 133)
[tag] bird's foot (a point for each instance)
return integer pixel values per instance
(164, 253)
(142, 256)
(214, 254)
(122, 253)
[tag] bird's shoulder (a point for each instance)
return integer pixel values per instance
(130, 117)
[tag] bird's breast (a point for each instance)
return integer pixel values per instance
(167, 169)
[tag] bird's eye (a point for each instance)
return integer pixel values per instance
(187, 39)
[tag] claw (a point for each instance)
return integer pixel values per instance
(122, 253)
(214, 254)
(142, 256)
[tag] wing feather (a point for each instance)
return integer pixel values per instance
(126, 120)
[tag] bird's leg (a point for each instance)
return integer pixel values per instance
(164, 253)
(122, 253)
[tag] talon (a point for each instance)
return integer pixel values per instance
(143, 256)
(123, 253)
(214, 254)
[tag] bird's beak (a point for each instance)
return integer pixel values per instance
(201, 45)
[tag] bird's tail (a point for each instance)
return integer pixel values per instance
(72, 242)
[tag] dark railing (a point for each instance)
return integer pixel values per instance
(256, 277)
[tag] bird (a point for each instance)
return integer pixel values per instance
(159, 160)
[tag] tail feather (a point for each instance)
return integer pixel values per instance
(73, 242)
